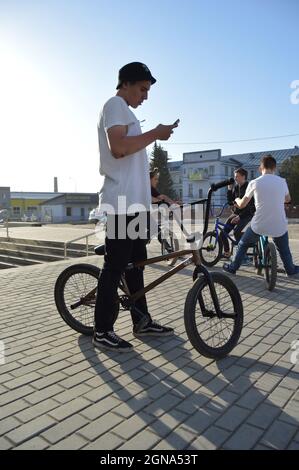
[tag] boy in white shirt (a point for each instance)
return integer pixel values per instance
(270, 194)
(125, 195)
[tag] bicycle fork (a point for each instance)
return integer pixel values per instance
(201, 269)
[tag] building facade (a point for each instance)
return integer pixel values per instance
(194, 175)
(26, 206)
(68, 207)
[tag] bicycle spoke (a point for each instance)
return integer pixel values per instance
(215, 331)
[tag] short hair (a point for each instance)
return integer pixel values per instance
(268, 162)
(242, 172)
(154, 172)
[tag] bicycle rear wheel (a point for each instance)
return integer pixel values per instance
(71, 289)
(210, 335)
(211, 250)
(270, 265)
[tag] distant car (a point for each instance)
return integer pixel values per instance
(96, 215)
(3, 215)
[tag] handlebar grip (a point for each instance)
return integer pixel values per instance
(222, 184)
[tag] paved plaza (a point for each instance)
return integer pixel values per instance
(58, 392)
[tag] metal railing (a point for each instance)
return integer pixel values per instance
(77, 239)
(5, 226)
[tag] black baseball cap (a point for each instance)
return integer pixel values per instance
(134, 72)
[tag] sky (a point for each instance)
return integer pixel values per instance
(224, 68)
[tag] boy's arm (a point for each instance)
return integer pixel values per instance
(122, 145)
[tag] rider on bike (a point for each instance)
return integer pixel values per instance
(240, 217)
(270, 193)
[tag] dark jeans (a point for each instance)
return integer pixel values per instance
(281, 243)
(118, 253)
(237, 229)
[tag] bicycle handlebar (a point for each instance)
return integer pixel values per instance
(222, 184)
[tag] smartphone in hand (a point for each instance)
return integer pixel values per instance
(176, 123)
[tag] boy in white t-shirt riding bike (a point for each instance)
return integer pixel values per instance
(270, 194)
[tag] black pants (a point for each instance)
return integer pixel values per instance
(118, 253)
(237, 229)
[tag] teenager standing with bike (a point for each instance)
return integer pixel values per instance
(270, 193)
(124, 164)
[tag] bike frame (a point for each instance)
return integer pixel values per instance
(194, 258)
(260, 249)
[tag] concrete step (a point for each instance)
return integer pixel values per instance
(46, 243)
(30, 255)
(22, 252)
(7, 265)
(17, 260)
(55, 251)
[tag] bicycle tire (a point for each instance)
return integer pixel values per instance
(72, 284)
(270, 266)
(199, 299)
(218, 248)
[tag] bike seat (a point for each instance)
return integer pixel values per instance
(100, 250)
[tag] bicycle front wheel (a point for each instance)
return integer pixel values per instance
(210, 335)
(270, 265)
(211, 250)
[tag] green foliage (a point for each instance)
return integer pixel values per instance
(290, 171)
(159, 159)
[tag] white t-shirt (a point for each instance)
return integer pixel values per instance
(269, 193)
(126, 185)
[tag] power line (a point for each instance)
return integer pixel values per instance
(230, 141)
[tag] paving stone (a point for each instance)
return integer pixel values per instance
(108, 441)
(264, 415)
(100, 426)
(140, 441)
(210, 439)
(37, 443)
(7, 424)
(31, 429)
(244, 439)
(133, 425)
(70, 408)
(63, 429)
(279, 435)
(232, 418)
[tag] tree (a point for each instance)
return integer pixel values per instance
(290, 171)
(159, 159)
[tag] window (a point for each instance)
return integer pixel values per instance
(190, 192)
(200, 193)
(16, 211)
(31, 208)
(232, 172)
(68, 211)
(211, 170)
(252, 174)
(226, 170)
(82, 212)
